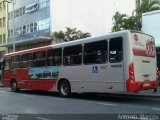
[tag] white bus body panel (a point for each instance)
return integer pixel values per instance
(145, 61)
(108, 79)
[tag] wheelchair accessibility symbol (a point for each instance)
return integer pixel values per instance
(95, 69)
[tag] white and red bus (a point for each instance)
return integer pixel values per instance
(119, 62)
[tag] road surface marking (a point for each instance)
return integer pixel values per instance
(5, 93)
(2, 91)
(41, 118)
(106, 104)
(92, 102)
(27, 96)
(157, 109)
(56, 99)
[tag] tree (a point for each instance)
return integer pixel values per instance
(57, 36)
(131, 23)
(123, 22)
(80, 34)
(69, 35)
(146, 6)
(118, 20)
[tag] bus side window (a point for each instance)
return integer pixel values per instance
(72, 55)
(15, 62)
(115, 50)
(95, 52)
(26, 60)
(54, 57)
(39, 59)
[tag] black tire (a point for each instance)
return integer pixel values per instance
(64, 89)
(155, 90)
(14, 86)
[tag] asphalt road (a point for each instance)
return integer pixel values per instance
(46, 105)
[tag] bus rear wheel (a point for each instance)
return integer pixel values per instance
(64, 89)
(14, 86)
(155, 90)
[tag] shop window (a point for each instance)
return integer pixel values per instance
(35, 26)
(31, 27)
(24, 29)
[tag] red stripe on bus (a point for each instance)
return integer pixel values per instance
(133, 86)
(144, 53)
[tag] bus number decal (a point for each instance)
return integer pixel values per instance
(116, 66)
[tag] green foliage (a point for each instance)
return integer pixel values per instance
(123, 22)
(147, 6)
(69, 35)
(118, 21)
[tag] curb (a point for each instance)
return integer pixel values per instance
(148, 94)
(145, 94)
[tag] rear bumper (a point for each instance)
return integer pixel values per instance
(133, 86)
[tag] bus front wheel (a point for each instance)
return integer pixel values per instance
(14, 86)
(64, 89)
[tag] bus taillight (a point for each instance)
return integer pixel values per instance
(157, 72)
(131, 72)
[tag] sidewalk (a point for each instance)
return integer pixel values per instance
(146, 93)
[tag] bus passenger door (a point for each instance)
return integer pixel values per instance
(6, 73)
(103, 66)
(115, 76)
(103, 69)
(72, 69)
(95, 66)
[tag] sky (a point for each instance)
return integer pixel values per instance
(93, 16)
(125, 6)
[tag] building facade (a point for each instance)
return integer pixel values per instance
(28, 24)
(2, 26)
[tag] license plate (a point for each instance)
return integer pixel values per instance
(146, 85)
